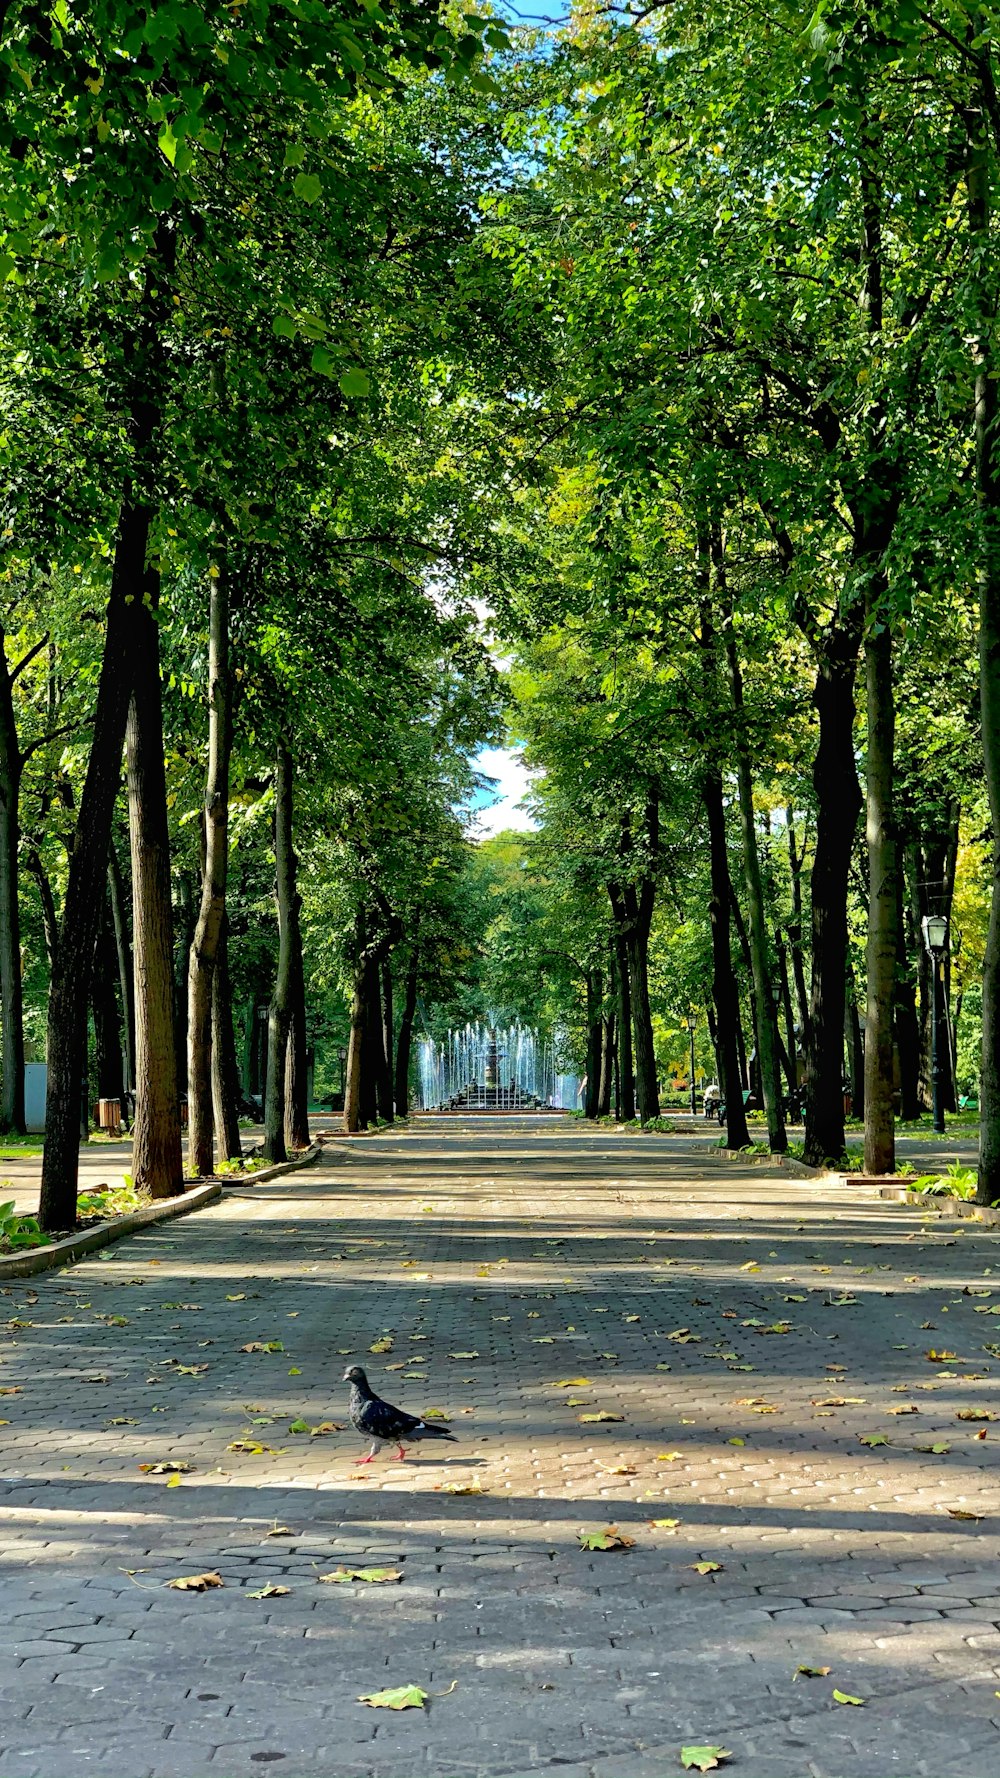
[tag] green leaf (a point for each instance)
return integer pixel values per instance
(846, 1698)
(704, 1759)
(609, 1539)
(707, 1567)
(307, 187)
(284, 327)
(373, 1577)
(323, 362)
(400, 1697)
(168, 143)
(295, 154)
(358, 382)
(300, 1426)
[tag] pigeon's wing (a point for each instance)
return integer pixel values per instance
(379, 1419)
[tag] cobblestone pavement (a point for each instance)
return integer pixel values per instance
(761, 1349)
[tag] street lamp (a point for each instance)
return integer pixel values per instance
(935, 930)
(691, 1023)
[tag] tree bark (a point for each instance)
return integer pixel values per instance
(279, 1017)
(987, 475)
(838, 804)
(225, 1067)
(373, 1065)
(212, 908)
(157, 1165)
(11, 997)
(626, 1066)
(794, 929)
(355, 1050)
(126, 970)
(767, 1024)
(109, 1083)
(386, 1097)
(595, 1022)
(606, 1074)
(907, 1030)
(727, 1009)
(405, 1039)
(880, 1144)
(87, 869)
(855, 1049)
(297, 1065)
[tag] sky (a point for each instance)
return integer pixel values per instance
(495, 810)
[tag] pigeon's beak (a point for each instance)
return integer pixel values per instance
(346, 1377)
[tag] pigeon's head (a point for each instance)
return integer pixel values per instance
(354, 1374)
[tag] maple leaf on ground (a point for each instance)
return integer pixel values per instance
(608, 1539)
(196, 1583)
(400, 1697)
(706, 1567)
(270, 1591)
(374, 1577)
(704, 1759)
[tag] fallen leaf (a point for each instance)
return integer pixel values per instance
(609, 1539)
(572, 1383)
(906, 1407)
(238, 1296)
(811, 1672)
(663, 1524)
(463, 1355)
(620, 1469)
(280, 1531)
(704, 1759)
(707, 1567)
(168, 1467)
(374, 1577)
(196, 1583)
(736, 1441)
(838, 1401)
(845, 1698)
(872, 1438)
(958, 1512)
(174, 1481)
(263, 1346)
(400, 1697)
(936, 1357)
(382, 1345)
(934, 1450)
(588, 1419)
(269, 1592)
(669, 1456)
(460, 1488)
(976, 1414)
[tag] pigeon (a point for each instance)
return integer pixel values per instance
(381, 1422)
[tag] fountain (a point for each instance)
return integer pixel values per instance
(489, 1067)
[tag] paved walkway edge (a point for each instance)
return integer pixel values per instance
(240, 1181)
(41, 1259)
(898, 1194)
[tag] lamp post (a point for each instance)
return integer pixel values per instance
(935, 930)
(691, 1023)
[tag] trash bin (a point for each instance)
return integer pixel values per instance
(109, 1116)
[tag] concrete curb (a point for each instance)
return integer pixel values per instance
(960, 1207)
(777, 1163)
(73, 1247)
(244, 1181)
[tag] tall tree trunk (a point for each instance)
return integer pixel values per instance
(626, 1066)
(907, 1031)
(767, 1024)
(880, 1144)
(855, 1049)
(637, 950)
(987, 472)
(157, 1165)
(373, 1055)
(297, 1063)
(727, 1007)
(279, 1017)
(50, 919)
(794, 928)
(387, 1099)
(212, 908)
(595, 1022)
(225, 1067)
(126, 970)
(11, 998)
(789, 1054)
(606, 1075)
(405, 1040)
(109, 1081)
(356, 1047)
(838, 804)
(84, 902)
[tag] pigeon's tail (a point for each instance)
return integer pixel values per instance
(422, 1430)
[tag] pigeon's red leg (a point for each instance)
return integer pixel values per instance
(401, 1454)
(369, 1459)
